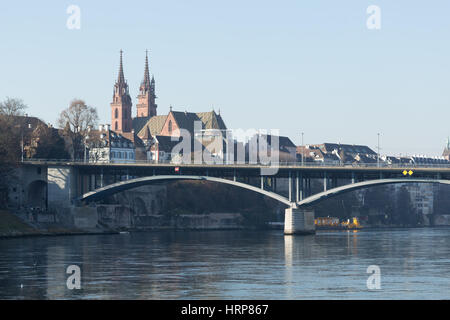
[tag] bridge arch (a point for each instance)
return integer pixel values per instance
(37, 194)
(133, 183)
(311, 200)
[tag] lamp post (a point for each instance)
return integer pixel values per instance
(378, 155)
(85, 148)
(303, 148)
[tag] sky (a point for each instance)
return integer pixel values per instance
(297, 66)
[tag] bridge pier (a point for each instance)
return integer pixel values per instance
(298, 221)
(62, 186)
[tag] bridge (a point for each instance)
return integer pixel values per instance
(72, 183)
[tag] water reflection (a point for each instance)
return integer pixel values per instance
(414, 263)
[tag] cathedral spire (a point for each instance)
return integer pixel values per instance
(121, 78)
(146, 81)
(146, 106)
(121, 105)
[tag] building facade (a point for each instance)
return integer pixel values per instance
(106, 145)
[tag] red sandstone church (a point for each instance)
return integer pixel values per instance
(148, 131)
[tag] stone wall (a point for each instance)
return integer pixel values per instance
(442, 220)
(28, 188)
(136, 208)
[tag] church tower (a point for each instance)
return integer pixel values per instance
(146, 106)
(121, 104)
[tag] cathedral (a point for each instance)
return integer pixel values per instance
(122, 120)
(149, 133)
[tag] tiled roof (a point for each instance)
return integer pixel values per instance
(283, 142)
(348, 148)
(133, 137)
(185, 120)
(147, 134)
(139, 123)
(166, 144)
(108, 138)
(211, 120)
(155, 124)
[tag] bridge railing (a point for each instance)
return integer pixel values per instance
(231, 164)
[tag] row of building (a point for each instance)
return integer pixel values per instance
(148, 136)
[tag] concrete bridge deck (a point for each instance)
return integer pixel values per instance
(74, 183)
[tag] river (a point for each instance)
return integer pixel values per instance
(413, 264)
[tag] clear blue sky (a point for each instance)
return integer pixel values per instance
(309, 66)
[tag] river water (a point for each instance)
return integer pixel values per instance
(413, 264)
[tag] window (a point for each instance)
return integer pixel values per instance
(116, 113)
(116, 126)
(170, 126)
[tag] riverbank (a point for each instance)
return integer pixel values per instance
(12, 226)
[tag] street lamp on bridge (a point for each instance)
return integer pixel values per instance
(378, 154)
(303, 148)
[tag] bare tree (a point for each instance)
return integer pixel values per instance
(12, 107)
(77, 121)
(11, 127)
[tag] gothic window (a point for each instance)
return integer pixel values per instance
(116, 126)
(170, 126)
(116, 114)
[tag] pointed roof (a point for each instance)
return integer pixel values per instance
(155, 125)
(146, 82)
(121, 77)
(147, 134)
(139, 122)
(212, 120)
(185, 120)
